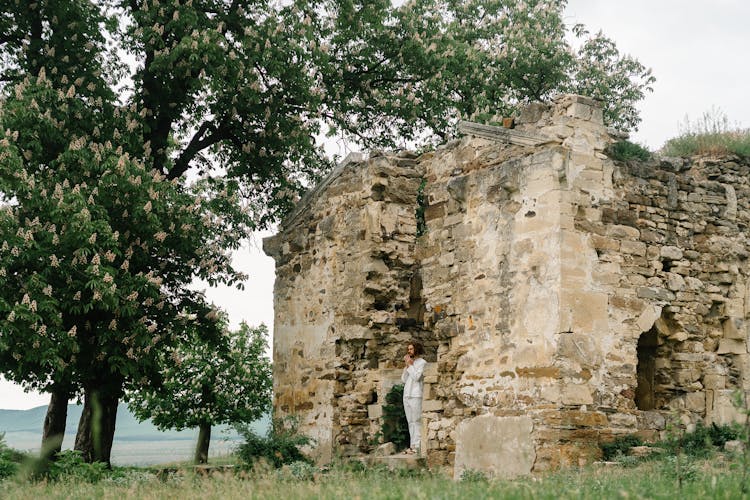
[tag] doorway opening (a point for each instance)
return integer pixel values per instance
(645, 392)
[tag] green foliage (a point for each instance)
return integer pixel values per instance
(626, 150)
(710, 134)
(627, 460)
(301, 471)
(619, 82)
(9, 459)
(702, 442)
(421, 206)
(222, 379)
(423, 64)
(473, 476)
(674, 468)
(69, 465)
(720, 434)
(395, 427)
(653, 479)
(281, 445)
(620, 446)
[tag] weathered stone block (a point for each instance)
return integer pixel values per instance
(623, 232)
(735, 328)
(374, 411)
(500, 446)
(654, 293)
(648, 317)
(671, 253)
(626, 420)
(695, 401)
(633, 247)
(583, 311)
(714, 381)
(734, 446)
(652, 420)
(720, 408)
(577, 394)
(385, 449)
(732, 346)
(675, 282)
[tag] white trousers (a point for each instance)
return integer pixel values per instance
(413, 410)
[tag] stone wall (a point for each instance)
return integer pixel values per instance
(345, 261)
(563, 298)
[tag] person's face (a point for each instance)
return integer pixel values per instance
(410, 350)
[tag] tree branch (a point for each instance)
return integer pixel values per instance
(197, 144)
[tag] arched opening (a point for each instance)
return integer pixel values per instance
(645, 391)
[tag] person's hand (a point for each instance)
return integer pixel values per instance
(408, 360)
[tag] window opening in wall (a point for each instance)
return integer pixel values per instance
(645, 393)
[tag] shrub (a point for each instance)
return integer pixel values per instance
(702, 441)
(473, 476)
(8, 466)
(281, 444)
(620, 446)
(626, 150)
(627, 460)
(720, 434)
(711, 134)
(301, 471)
(10, 459)
(395, 426)
(70, 465)
(684, 471)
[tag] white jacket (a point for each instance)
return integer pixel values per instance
(413, 379)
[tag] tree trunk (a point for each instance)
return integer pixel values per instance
(54, 423)
(204, 439)
(96, 429)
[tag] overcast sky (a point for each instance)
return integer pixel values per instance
(698, 51)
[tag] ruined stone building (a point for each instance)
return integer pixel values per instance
(563, 297)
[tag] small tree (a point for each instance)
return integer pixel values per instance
(208, 381)
(281, 445)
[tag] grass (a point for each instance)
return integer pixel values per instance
(626, 150)
(717, 477)
(711, 134)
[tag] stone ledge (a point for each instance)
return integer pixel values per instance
(502, 134)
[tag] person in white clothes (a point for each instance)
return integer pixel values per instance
(412, 377)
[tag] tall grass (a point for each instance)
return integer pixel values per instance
(714, 478)
(711, 134)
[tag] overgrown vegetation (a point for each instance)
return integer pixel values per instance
(703, 442)
(626, 150)
(9, 458)
(395, 427)
(716, 478)
(620, 446)
(691, 466)
(711, 134)
(281, 445)
(69, 465)
(421, 207)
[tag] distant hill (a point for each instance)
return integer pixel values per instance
(128, 428)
